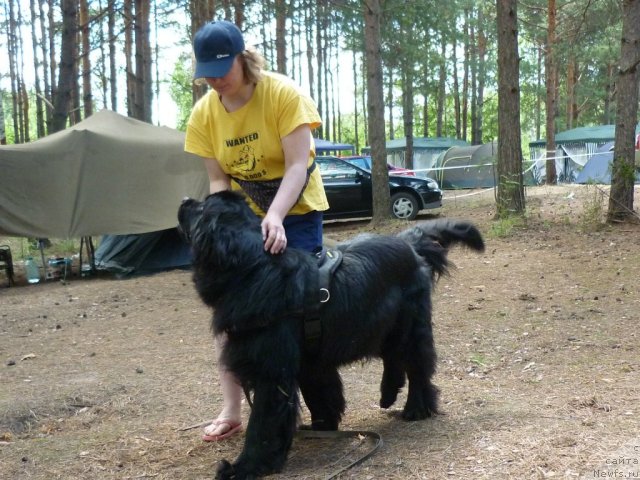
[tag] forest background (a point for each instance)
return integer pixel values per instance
(69, 58)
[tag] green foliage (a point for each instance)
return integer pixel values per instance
(593, 213)
(180, 90)
(505, 226)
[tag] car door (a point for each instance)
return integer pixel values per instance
(348, 188)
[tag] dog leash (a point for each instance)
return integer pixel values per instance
(326, 434)
(359, 434)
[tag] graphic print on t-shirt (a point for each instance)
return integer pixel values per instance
(245, 160)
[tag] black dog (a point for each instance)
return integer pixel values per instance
(380, 306)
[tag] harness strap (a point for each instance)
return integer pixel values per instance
(264, 191)
(317, 293)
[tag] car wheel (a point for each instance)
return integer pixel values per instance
(404, 206)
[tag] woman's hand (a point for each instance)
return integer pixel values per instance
(273, 234)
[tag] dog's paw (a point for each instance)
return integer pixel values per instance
(226, 471)
(411, 415)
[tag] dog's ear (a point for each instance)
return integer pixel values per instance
(222, 245)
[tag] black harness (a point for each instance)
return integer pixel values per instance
(318, 293)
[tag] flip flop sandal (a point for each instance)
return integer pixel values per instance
(234, 427)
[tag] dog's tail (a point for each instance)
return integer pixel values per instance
(432, 240)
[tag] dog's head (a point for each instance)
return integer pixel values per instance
(216, 227)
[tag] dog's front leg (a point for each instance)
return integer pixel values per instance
(269, 434)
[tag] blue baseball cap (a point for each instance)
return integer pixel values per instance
(215, 46)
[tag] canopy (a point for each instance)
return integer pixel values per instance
(108, 174)
(325, 146)
(597, 134)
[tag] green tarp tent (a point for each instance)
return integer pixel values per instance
(467, 167)
(574, 148)
(106, 174)
(425, 152)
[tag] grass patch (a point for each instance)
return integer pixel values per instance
(593, 213)
(22, 247)
(505, 227)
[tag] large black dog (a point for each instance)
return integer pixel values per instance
(379, 306)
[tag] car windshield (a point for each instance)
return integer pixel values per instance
(334, 168)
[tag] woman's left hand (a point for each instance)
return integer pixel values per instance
(273, 234)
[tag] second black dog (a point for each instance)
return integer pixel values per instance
(380, 306)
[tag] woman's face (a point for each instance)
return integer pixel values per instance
(231, 83)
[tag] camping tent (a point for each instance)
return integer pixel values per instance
(467, 167)
(574, 148)
(569, 163)
(325, 147)
(425, 151)
(598, 168)
(108, 174)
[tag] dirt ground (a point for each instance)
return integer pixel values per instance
(538, 368)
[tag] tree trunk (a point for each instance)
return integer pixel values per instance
(550, 104)
(456, 90)
(538, 94)
(87, 95)
(200, 13)
(3, 133)
(281, 39)
(142, 82)
(127, 9)
(68, 56)
(53, 63)
(441, 85)
(609, 89)
(465, 79)
(389, 102)
(320, 26)
(482, 78)
(473, 67)
(309, 15)
(44, 34)
(623, 171)
(380, 174)
(510, 185)
(12, 47)
(355, 97)
(111, 28)
(572, 81)
(40, 127)
(407, 114)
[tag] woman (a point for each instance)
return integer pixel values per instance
(253, 130)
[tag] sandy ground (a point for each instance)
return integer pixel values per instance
(538, 365)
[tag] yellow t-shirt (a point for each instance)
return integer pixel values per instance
(246, 143)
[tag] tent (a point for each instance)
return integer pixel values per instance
(598, 168)
(574, 148)
(467, 167)
(108, 174)
(425, 151)
(143, 253)
(569, 164)
(325, 147)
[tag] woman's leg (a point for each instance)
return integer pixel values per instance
(231, 415)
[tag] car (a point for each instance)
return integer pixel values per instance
(364, 161)
(349, 191)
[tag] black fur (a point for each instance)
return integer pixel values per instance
(380, 306)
